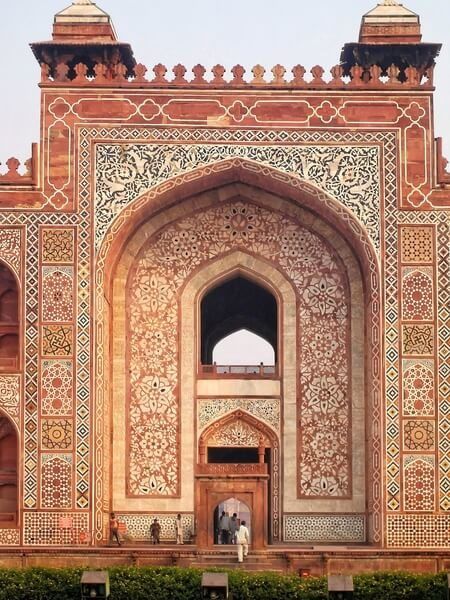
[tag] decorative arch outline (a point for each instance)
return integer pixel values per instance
(240, 415)
(234, 173)
(264, 273)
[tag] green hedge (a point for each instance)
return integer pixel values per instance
(166, 583)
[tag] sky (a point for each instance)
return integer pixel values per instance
(228, 32)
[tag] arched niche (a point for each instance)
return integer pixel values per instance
(9, 320)
(232, 305)
(9, 467)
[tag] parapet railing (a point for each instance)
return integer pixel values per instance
(12, 174)
(249, 371)
(119, 75)
(231, 468)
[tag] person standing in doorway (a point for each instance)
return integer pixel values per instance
(114, 528)
(234, 524)
(242, 541)
(224, 527)
(179, 529)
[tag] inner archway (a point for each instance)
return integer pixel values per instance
(235, 511)
(9, 320)
(233, 305)
(242, 348)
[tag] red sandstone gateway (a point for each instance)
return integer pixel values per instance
(164, 210)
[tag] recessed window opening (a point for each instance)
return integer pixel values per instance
(8, 472)
(9, 321)
(239, 324)
(236, 455)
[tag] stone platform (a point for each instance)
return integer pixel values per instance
(310, 560)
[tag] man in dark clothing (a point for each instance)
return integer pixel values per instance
(155, 531)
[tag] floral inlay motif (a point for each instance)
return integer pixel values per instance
(349, 173)
(236, 433)
(264, 409)
(10, 248)
(159, 272)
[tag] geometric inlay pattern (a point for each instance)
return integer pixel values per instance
(349, 173)
(417, 295)
(57, 340)
(138, 526)
(9, 537)
(57, 294)
(443, 262)
(57, 387)
(418, 531)
(31, 433)
(417, 244)
(56, 480)
(419, 435)
(418, 339)
(160, 270)
(51, 528)
(419, 483)
(58, 245)
(418, 389)
(265, 409)
(57, 434)
(327, 528)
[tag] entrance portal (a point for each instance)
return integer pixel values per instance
(234, 511)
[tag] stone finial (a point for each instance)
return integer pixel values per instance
(390, 22)
(83, 19)
(218, 72)
(299, 73)
(199, 74)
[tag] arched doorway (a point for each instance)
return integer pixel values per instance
(235, 511)
(237, 463)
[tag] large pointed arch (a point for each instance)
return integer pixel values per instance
(264, 274)
(238, 179)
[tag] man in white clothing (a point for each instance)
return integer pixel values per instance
(242, 540)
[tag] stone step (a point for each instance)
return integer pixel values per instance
(245, 566)
(229, 561)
